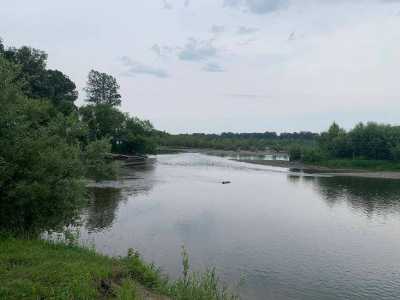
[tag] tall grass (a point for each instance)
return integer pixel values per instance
(191, 286)
(39, 269)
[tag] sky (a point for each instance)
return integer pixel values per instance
(226, 65)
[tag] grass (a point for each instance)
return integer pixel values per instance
(361, 164)
(38, 269)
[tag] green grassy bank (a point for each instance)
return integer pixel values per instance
(360, 164)
(37, 269)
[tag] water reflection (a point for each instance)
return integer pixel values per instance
(366, 195)
(293, 236)
(102, 208)
(105, 198)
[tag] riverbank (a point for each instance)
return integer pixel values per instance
(345, 167)
(38, 269)
(328, 168)
(217, 152)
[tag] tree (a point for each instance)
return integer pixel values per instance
(43, 158)
(57, 87)
(40, 171)
(97, 166)
(335, 142)
(33, 65)
(102, 89)
(38, 82)
(103, 120)
(136, 136)
(373, 141)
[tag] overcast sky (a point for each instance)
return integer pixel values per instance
(226, 65)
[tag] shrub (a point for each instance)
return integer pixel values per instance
(295, 153)
(312, 155)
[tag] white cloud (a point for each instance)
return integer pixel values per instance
(197, 50)
(216, 29)
(247, 30)
(257, 6)
(166, 5)
(134, 68)
(316, 60)
(213, 67)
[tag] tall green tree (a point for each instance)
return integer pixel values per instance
(44, 156)
(103, 120)
(38, 82)
(335, 142)
(58, 88)
(102, 88)
(33, 66)
(128, 135)
(40, 171)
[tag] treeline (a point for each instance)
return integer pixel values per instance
(49, 145)
(370, 141)
(127, 135)
(240, 141)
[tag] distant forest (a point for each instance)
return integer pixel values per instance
(366, 141)
(241, 141)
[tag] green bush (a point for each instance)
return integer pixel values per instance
(191, 286)
(41, 170)
(395, 152)
(98, 167)
(312, 155)
(295, 153)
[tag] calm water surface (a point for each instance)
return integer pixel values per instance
(286, 236)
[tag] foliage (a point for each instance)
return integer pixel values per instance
(57, 87)
(97, 164)
(362, 164)
(102, 89)
(191, 286)
(312, 155)
(295, 153)
(128, 135)
(39, 83)
(365, 141)
(198, 286)
(54, 270)
(238, 141)
(374, 141)
(103, 120)
(370, 146)
(147, 274)
(335, 142)
(41, 171)
(395, 152)
(48, 146)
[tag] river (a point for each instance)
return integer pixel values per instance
(271, 233)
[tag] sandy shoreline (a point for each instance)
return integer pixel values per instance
(293, 166)
(311, 169)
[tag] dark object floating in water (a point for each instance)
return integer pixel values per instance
(226, 182)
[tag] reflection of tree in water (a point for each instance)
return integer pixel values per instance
(102, 207)
(369, 195)
(293, 178)
(105, 198)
